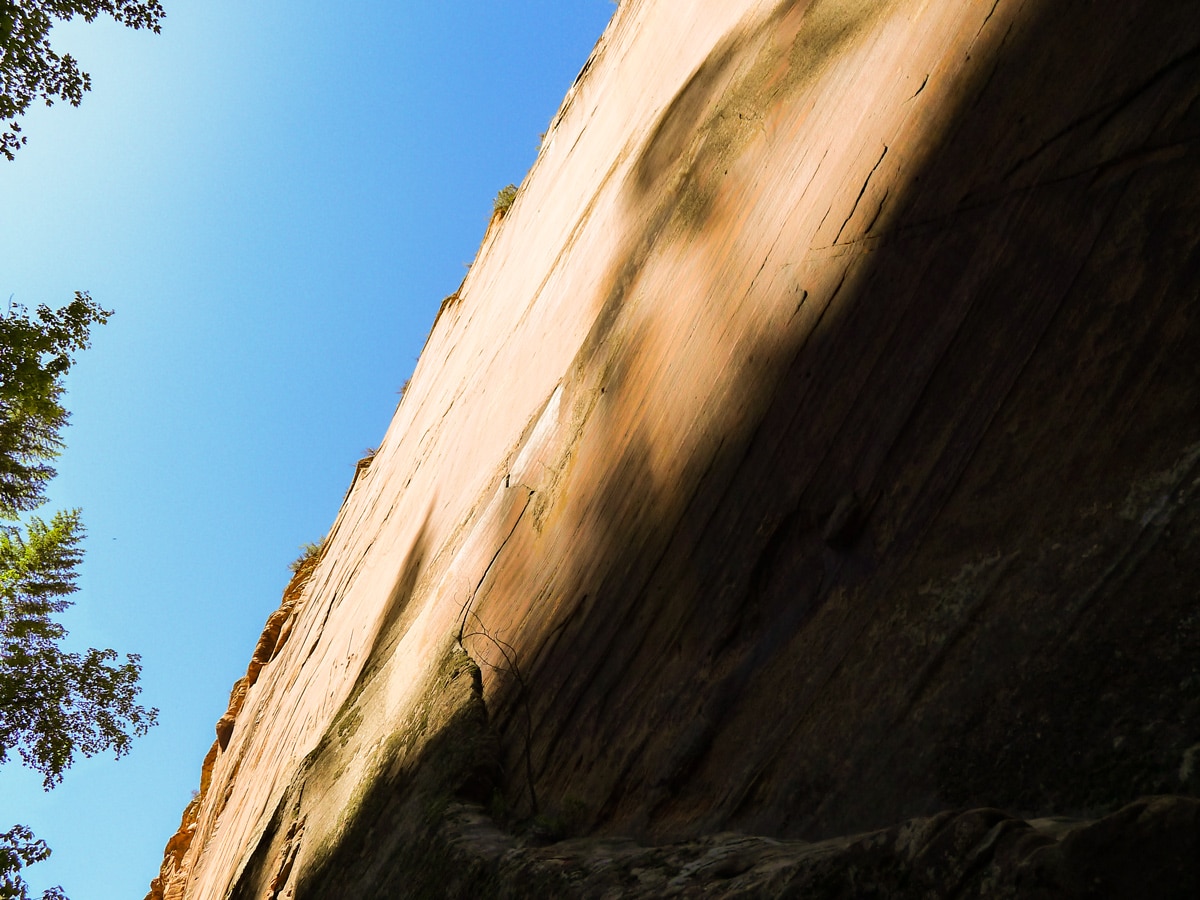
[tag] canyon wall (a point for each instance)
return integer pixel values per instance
(813, 446)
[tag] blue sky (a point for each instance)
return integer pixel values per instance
(274, 197)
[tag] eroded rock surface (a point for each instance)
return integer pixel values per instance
(1147, 849)
(813, 446)
(417, 828)
(170, 882)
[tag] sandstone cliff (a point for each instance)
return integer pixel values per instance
(812, 448)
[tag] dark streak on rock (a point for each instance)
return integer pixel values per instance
(861, 191)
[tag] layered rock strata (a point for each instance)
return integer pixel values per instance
(813, 446)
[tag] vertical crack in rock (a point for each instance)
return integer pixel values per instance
(858, 199)
(469, 602)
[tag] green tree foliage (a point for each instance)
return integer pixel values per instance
(30, 68)
(54, 704)
(35, 354)
(19, 848)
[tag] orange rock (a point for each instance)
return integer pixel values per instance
(813, 446)
(171, 881)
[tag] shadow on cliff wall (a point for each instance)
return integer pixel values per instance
(392, 626)
(943, 554)
(390, 780)
(942, 558)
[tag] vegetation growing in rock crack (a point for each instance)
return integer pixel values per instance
(53, 704)
(309, 552)
(504, 199)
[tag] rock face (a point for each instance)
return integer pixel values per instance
(814, 446)
(172, 877)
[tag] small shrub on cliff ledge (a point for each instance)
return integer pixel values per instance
(308, 553)
(504, 199)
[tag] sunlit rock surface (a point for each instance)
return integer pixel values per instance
(813, 447)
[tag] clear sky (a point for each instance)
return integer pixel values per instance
(274, 197)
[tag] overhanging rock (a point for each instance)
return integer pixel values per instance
(812, 447)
